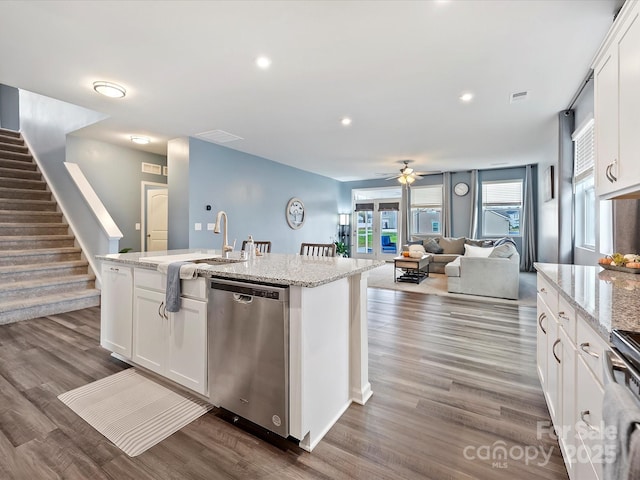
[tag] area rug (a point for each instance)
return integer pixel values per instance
(436, 284)
(133, 411)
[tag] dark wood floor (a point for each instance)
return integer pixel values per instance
(450, 379)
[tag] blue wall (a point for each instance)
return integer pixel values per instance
(254, 192)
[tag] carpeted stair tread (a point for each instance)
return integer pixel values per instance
(9, 139)
(34, 242)
(24, 193)
(34, 307)
(23, 183)
(12, 147)
(19, 156)
(38, 251)
(9, 133)
(18, 164)
(38, 267)
(43, 282)
(23, 216)
(25, 204)
(8, 172)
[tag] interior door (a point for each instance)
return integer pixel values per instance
(157, 216)
(376, 229)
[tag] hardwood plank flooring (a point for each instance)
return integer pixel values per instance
(452, 380)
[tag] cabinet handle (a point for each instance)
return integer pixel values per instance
(607, 173)
(553, 350)
(542, 316)
(114, 269)
(160, 310)
(542, 290)
(583, 414)
(563, 316)
(585, 348)
(615, 179)
(164, 312)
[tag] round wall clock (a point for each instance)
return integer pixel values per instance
(295, 213)
(461, 189)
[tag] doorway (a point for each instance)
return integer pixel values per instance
(155, 217)
(376, 224)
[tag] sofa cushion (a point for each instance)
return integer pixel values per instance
(452, 269)
(478, 243)
(444, 258)
(473, 251)
(432, 246)
(506, 250)
(452, 245)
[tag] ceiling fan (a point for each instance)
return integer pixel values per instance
(407, 175)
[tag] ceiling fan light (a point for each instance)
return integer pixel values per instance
(410, 179)
(402, 180)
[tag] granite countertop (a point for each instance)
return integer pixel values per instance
(606, 298)
(280, 269)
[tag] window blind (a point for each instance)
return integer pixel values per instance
(426, 196)
(387, 207)
(363, 207)
(584, 153)
(502, 193)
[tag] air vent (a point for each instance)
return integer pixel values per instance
(151, 168)
(518, 97)
(218, 136)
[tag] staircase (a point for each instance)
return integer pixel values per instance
(42, 271)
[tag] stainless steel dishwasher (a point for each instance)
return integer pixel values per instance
(248, 329)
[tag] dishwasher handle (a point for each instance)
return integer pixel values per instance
(240, 298)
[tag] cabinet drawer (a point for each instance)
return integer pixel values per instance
(153, 280)
(566, 315)
(591, 347)
(548, 294)
(589, 396)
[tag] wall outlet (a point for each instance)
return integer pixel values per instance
(198, 226)
(211, 226)
(137, 226)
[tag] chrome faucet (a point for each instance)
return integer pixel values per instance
(226, 248)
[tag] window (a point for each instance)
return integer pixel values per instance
(583, 181)
(501, 208)
(426, 210)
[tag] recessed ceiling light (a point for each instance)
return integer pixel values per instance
(140, 140)
(466, 97)
(109, 89)
(263, 62)
(346, 121)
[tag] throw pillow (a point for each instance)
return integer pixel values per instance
(432, 246)
(506, 250)
(473, 251)
(475, 243)
(417, 248)
(503, 241)
(452, 246)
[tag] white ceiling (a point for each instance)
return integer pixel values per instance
(396, 67)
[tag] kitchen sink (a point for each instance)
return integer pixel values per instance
(193, 257)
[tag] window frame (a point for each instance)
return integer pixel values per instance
(506, 206)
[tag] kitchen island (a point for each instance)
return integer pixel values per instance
(327, 331)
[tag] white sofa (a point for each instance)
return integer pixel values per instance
(488, 277)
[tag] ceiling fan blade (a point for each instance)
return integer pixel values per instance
(391, 178)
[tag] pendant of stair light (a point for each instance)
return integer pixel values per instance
(346, 121)
(263, 62)
(140, 140)
(108, 89)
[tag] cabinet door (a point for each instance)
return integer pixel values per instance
(588, 415)
(606, 123)
(554, 357)
(116, 309)
(149, 330)
(629, 103)
(567, 400)
(541, 344)
(187, 351)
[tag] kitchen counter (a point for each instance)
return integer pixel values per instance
(280, 269)
(605, 298)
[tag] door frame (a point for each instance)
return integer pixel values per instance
(144, 188)
(376, 239)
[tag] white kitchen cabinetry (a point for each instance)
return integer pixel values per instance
(617, 107)
(116, 308)
(171, 344)
(571, 378)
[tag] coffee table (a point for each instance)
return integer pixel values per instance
(413, 270)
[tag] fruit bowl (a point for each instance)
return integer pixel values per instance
(619, 269)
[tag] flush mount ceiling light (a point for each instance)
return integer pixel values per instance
(346, 121)
(140, 140)
(109, 89)
(466, 97)
(263, 62)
